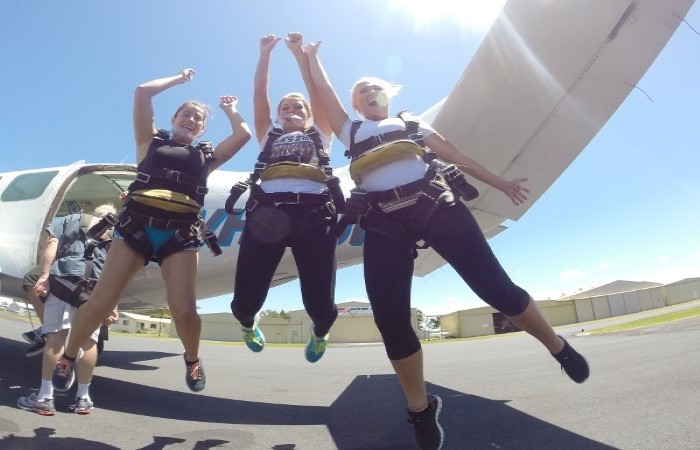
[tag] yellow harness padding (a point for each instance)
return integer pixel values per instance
(290, 169)
(166, 200)
(382, 155)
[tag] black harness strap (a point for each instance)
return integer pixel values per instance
(146, 218)
(147, 173)
(264, 161)
(411, 132)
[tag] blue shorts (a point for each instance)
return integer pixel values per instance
(156, 236)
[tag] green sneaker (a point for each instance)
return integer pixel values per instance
(254, 337)
(316, 347)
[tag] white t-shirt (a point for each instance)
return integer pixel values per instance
(297, 144)
(395, 173)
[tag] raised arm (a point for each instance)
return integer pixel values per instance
(336, 114)
(261, 100)
(144, 126)
(240, 133)
(447, 152)
(295, 42)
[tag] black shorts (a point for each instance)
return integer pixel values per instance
(31, 278)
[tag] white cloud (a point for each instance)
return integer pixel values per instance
(572, 274)
(664, 259)
(605, 265)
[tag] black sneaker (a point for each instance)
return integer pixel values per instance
(429, 433)
(573, 363)
(31, 336)
(37, 346)
(64, 374)
(194, 375)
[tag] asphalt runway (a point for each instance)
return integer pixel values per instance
(502, 392)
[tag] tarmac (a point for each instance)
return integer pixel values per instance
(502, 392)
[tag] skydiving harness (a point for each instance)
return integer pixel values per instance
(442, 184)
(164, 209)
(332, 199)
(148, 175)
(75, 289)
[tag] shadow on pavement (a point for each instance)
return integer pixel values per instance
(369, 414)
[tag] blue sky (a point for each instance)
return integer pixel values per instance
(625, 209)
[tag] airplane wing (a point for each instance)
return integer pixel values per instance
(544, 81)
(542, 84)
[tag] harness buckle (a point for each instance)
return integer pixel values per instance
(153, 222)
(416, 136)
(252, 206)
(260, 166)
(143, 177)
(128, 220)
(202, 190)
(172, 175)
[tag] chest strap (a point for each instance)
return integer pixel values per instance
(173, 175)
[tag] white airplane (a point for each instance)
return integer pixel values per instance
(544, 81)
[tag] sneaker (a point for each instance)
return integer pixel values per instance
(254, 338)
(37, 346)
(63, 374)
(31, 336)
(82, 406)
(316, 347)
(428, 431)
(43, 407)
(194, 375)
(573, 363)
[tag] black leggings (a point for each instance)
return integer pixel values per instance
(455, 235)
(265, 237)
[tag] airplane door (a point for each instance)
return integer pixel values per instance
(26, 200)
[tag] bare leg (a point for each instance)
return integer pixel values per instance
(180, 273)
(85, 367)
(409, 370)
(52, 352)
(121, 265)
(532, 321)
(34, 300)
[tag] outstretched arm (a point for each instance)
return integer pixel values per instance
(336, 114)
(295, 42)
(261, 100)
(514, 189)
(144, 126)
(240, 133)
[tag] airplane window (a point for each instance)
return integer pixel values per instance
(27, 186)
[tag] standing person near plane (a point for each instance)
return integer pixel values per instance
(293, 206)
(70, 259)
(404, 194)
(160, 220)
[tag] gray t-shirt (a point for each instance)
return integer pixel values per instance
(70, 260)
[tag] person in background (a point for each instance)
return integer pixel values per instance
(34, 337)
(71, 263)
